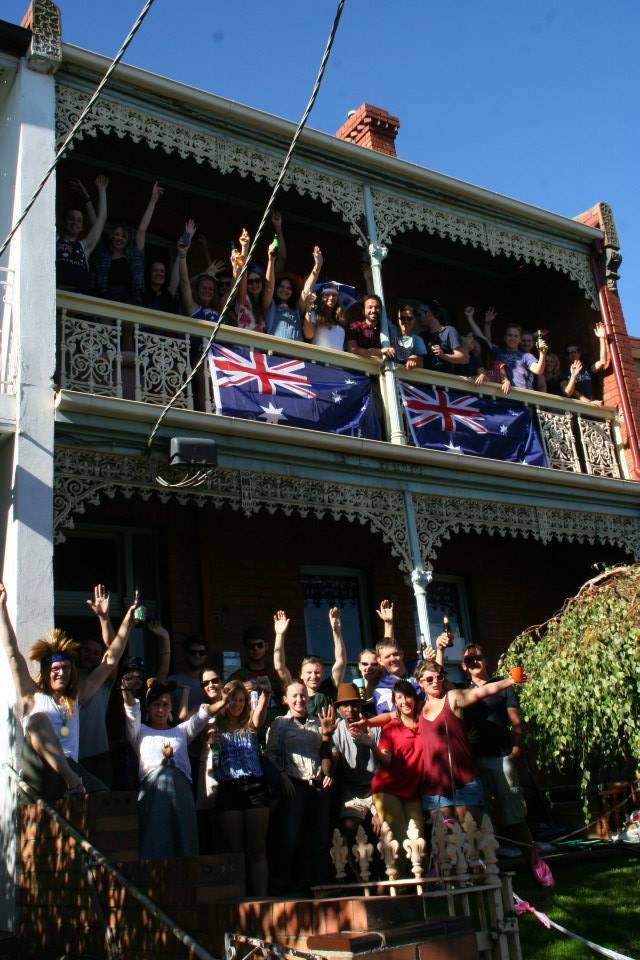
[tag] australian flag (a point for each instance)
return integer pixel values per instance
(259, 386)
(475, 424)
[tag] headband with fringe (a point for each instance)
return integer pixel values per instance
(56, 647)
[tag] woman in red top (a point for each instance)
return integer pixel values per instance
(450, 771)
(397, 785)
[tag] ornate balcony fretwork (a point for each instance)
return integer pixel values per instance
(556, 429)
(90, 356)
(162, 366)
(394, 214)
(437, 518)
(84, 477)
(343, 196)
(598, 446)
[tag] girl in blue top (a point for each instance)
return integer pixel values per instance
(285, 308)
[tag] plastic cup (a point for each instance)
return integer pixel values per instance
(517, 674)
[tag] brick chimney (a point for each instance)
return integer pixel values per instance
(371, 127)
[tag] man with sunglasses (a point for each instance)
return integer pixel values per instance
(256, 664)
(497, 743)
(409, 348)
(576, 380)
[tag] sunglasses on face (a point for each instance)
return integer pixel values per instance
(472, 661)
(254, 280)
(406, 316)
(207, 683)
(197, 653)
(435, 679)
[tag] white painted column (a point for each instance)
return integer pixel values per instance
(27, 120)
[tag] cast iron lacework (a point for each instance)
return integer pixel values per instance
(599, 448)
(556, 430)
(438, 517)
(85, 477)
(343, 196)
(395, 214)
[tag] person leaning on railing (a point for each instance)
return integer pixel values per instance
(408, 348)
(445, 352)
(50, 705)
(363, 336)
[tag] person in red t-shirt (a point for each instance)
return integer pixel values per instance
(397, 784)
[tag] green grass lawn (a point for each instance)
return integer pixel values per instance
(598, 900)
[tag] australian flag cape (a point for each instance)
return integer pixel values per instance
(271, 389)
(457, 422)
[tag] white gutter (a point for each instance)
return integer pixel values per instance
(368, 160)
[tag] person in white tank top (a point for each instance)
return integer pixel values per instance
(49, 705)
(325, 324)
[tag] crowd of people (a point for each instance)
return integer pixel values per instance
(266, 762)
(271, 300)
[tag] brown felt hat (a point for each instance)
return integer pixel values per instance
(346, 693)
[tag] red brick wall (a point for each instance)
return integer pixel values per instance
(222, 571)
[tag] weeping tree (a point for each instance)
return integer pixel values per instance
(581, 704)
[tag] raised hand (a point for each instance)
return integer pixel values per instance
(156, 192)
(469, 312)
(273, 248)
(280, 623)
(101, 182)
(334, 619)
(276, 220)
(156, 628)
(443, 641)
(385, 611)
(490, 315)
(78, 187)
(576, 367)
(599, 330)
(100, 603)
(318, 259)
(245, 241)
(190, 227)
(327, 720)
(215, 267)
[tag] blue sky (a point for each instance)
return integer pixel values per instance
(538, 101)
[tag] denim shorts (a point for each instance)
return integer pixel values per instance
(470, 795)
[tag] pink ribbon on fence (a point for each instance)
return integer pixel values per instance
(523, 906)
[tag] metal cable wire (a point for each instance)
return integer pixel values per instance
(74, 129)
(267, 212)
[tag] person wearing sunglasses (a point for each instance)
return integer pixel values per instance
(409, 348)
(497, 743)
(256, 666)
(577, 381)
(451, 773)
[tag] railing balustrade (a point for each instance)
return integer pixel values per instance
(119, 350)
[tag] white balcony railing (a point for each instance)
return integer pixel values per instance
(118, 350)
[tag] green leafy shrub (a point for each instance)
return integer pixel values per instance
(581, 703)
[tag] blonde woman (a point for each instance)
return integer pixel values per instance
(242, 802)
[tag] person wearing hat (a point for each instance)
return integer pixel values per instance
(325, 322)
(358, 759)
(50, 705)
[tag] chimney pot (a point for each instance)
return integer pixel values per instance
(371, 127)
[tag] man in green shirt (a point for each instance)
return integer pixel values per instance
(320, 693)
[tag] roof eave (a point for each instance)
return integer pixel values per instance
(367, 160)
